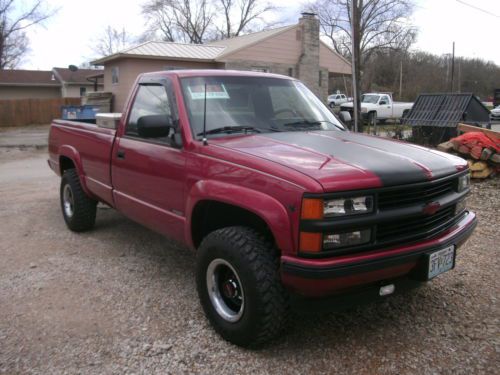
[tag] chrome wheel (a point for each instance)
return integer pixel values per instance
(225, 290)
(68, 201)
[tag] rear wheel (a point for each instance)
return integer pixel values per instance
(78, 209)
(237, 277)
(402, 120)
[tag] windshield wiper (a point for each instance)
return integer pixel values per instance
(307, 124)
(230, 129)
(303, 122)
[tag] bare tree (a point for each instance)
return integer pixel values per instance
(14, 21)
(373, 25)
(112, 41)
(239, 15)
(383, 24)
(180, 20)
(197, 21)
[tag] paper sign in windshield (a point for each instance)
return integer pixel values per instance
(214, 91)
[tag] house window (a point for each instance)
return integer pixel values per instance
(260, 69)
(114, 74)
(320, 78)
(83, 91)
(290, 72)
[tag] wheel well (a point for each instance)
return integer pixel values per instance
(212, 215)
(65, 163)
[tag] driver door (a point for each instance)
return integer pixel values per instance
(148, 174)
(384, 110)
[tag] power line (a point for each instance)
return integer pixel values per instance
(479, 9)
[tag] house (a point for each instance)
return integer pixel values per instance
(25, 84)
(294, 50)
(76, 83)
(47, 84)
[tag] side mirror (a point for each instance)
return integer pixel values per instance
(382, 102)
(345, 116)
(154, 126)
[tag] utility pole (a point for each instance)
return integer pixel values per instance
(452, 66)
(355, 63)
(401, 79)
(459, 76)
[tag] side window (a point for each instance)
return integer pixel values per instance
(150, 101)
(115, 75)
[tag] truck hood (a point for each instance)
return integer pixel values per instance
(345, 161)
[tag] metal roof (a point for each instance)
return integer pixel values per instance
(444, 110)
(234, 44)
(168, 50)
(201, 52)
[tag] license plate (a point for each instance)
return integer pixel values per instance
(441, 261)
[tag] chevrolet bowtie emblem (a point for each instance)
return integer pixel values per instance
(431, 208)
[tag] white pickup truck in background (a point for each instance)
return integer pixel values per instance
(379, 106)
(337, 99)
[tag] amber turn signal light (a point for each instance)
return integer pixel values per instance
(310, 242)
(312, 209)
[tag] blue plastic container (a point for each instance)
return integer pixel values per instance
(79, 112)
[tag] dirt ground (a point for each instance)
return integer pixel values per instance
(121, 299)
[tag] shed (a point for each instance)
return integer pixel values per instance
(447, 110)
(435, 117)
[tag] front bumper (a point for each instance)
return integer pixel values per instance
(323, 277)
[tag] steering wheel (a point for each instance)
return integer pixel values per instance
(285, 110)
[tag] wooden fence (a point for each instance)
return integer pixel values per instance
(22, 112)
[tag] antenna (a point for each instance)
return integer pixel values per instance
(205, 117)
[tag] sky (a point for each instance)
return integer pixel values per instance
(68, 36)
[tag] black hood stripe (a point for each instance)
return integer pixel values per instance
(395, 163)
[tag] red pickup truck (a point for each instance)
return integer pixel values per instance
(276, 197)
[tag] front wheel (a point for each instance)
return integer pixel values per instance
(237, 277)
(372, 118)
(78, 209)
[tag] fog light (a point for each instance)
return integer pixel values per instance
(387, 289)
(336, 240)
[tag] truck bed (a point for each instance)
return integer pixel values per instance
(90, 147)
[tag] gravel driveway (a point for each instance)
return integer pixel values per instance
(121, 299)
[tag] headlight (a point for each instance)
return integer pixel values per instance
(317, 209)
(348, 206)
(345, 239)
(463, 182)
(364, 110)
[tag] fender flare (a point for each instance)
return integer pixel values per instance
(264, 206)
(72, 153)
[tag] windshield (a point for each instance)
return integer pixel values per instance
(254, 105)
(369, 98)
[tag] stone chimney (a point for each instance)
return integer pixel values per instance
(308, 65)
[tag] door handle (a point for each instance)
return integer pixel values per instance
(120, 154)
